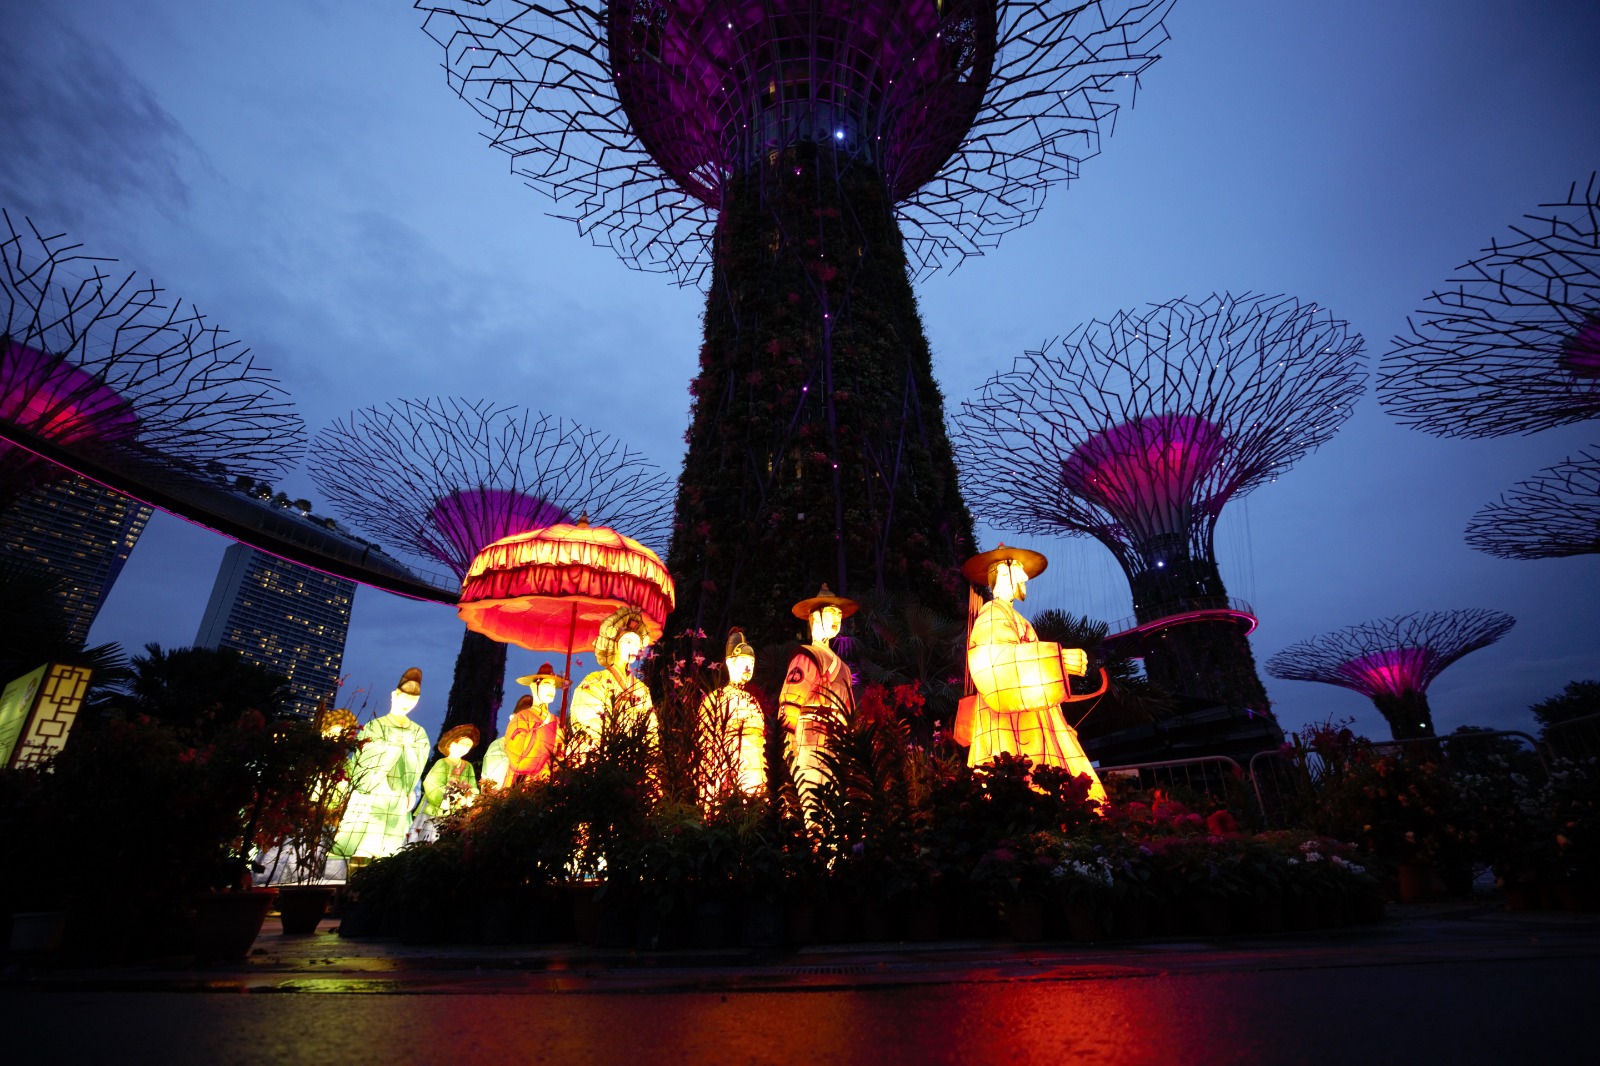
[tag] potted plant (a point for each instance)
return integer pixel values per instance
(300, 827)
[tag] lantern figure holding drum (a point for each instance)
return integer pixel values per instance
(1021, 680)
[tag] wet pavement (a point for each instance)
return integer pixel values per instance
(1449, 983)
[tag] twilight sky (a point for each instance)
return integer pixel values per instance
(300, 171)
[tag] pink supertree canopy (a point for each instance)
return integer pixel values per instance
(1145, 471)
(1390, 672)
(1580, 354)
(1392, 661)
(713, 86)
(58, 401)
(470, 519)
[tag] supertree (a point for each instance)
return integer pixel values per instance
(1138, 430)
(1515, 348)
(806, 160)
(1514, 345)
(442, 478)
(108, 367)
(1393, 660)
(1555, 513)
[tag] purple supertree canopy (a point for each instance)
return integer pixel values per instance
(443, 478)
(1514, 345)
(59, 401)
(1146, 470)
(1556, 513)
(1391, 657)
(636, 117)
(469, 519)
(1138, 430)
(89, 363)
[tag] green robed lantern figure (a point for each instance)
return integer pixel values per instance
(1021, 680)
(818, 682)
(611, 696)
(733, 727)
(384, 776)
(451, 783)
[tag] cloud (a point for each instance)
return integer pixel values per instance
(79, 129)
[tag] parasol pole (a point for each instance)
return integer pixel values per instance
(572, 635)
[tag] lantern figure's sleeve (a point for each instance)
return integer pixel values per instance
(799, 691)
(521, 739)
(496, 763)
(433, 788)
(1012, 668)
(412, 757)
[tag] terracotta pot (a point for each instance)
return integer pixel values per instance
(1025, 922)
(1210, 916)
(1132, 918)
(1521, 897)
(227, 923)
(1575, 895)
(1416, 882)
(800, 925)
(923, 921)
(301, 907)
(1300, 914)
(712, 925)
(760, 924)
(1086, 924)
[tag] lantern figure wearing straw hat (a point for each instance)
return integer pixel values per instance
(611, 697)
(451, 783)
(1021, 680)
(534, 733)
(734, 727)
(385, 775)
(818, 682)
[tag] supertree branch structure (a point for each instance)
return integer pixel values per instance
(1555, 513)
(641, 119)
(803, 159)
(1392, 661)
(1137, 431)
(108, 366)
(441, 479)
(1513, 345)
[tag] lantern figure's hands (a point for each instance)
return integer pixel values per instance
(1075, 661)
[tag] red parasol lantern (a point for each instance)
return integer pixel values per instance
(549, 589)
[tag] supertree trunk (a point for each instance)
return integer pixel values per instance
(1203, 659)
(1408, 714)
(476, 688)
(817, 445)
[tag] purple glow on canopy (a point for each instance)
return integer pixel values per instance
(471, 519)
(1145, 472)
(1391, 672)
(56, 400)
(713, 86)
(1580, 355)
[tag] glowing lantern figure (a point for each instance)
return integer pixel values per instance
(534, 732)
(611, 697)
(817, 683)
(387, 769)
(451, 783)
(551, 589)
(734, 727)
(1021, 680)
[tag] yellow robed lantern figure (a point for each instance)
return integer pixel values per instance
(733, 727)
(1021, 680)
(817, 683)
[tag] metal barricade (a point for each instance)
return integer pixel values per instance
(1465, 751)
(1284, 783)
(1216, 776)
(1576, 738)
